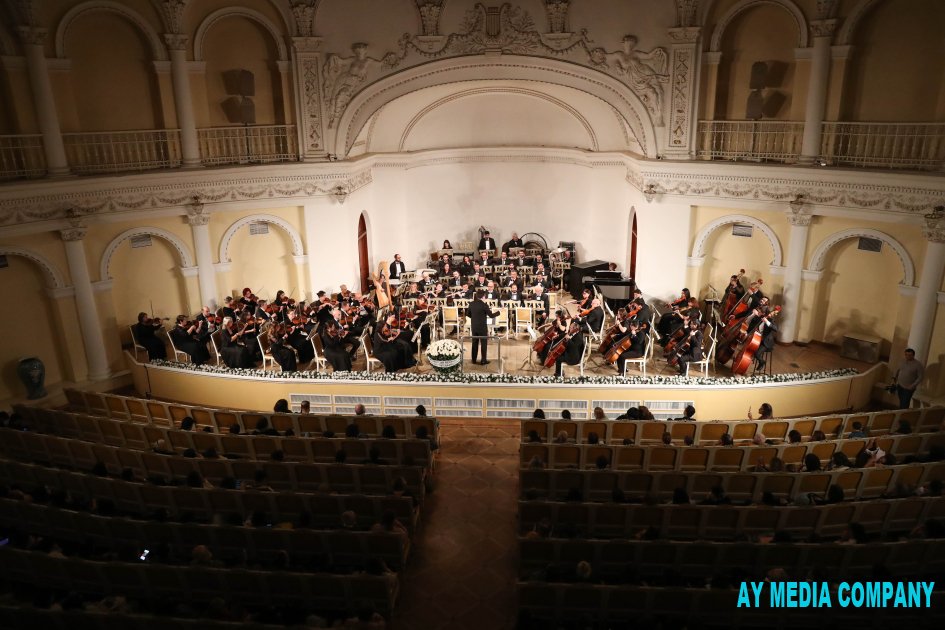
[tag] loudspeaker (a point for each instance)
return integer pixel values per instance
(239, 110)
(241, 82)
(755, 106)
(759, 76)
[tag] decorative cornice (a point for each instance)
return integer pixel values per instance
(685, 35)
(32, 36)
(907, 290)
(934, 235)
(307, 44)
(823, 28)
(176, 41)
(802, 219)
(189, 272)
(73, 234)
(58, 293)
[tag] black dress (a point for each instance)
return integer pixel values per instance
(395, 355)
(234, 352)
(334, 345)
(195, 345)
(283, 354)
(146, 336)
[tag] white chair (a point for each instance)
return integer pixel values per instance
(450, 318)
(598, 335)
(502, 321)
(707, 359)
(137, 346)
(524, 319)
(367, 344)
(318, 360)
(263, 341)
(647, 355)
(584, 357)
(215, 344)
(179, 355)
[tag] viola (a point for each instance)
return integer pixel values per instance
(745, 356)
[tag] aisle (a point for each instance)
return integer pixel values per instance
(462, 569)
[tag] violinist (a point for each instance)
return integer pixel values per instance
(690, 349)
(283, 353)
(585, 302)
(145, 332)
(337, 343)
(248, 301)
(208, 318)
(298, 337)
(191, 337)
(574, 349)
(250, 333)
(390, 349)
(344, 295)
(644, 313)
(592, 319)
(227, 310)
(233, 348)
(672, 321)
(262, 311)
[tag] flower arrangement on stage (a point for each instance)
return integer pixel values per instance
(510, 379)
(445, 355)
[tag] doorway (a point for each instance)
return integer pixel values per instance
(363, 259)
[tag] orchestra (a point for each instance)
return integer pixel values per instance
(398, 319)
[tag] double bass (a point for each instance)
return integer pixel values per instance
(745, 355)
(732, 297)
(743, 304)
(734, 337)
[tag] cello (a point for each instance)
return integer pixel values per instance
(617, 349)
(745, 356)
(559, 349)
(673, 359)
(738, 334)
(744, 303)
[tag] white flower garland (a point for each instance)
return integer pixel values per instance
(480, 377)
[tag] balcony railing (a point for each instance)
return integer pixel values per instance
(916, 146)
(755, 140)
(22, 157)
(118, 151)
(248, 144)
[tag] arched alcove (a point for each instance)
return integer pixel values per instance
(183, 252)
(282, 224)
(264, 260)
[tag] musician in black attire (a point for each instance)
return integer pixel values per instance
(250, 335)
(191, 337)
(247, 302)
(465, 266)
(574, 349)
(281, 351)
(478, 312)
(261, 313)
(690, 349)
(337, 343)
(228, 308)
(645, 312)
(487, 242)
(768, 330)
(541, 313)
(515, 241)
(736, 288)
(145, 332)
(390, 349)
(299, 340)
(233, 347)
(638, 333)
(490, 292)
(513, 298)
(561, 325)
(671, 322)
(397, 267)
(595, 319)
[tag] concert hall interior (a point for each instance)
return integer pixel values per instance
(551, 267)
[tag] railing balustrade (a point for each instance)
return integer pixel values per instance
(755, 140)
(247, 144)
(22, 157)
(915, 146)
(117, 151)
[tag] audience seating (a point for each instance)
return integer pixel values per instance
(166, 414)
(198, 584)
(730, 522)
(127, 537)
(925, 420)
(613, 560)
(101, 430)
(205, 503)
(597, 485)
(717, 458)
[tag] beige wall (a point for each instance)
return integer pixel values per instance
(763, 33)
(113, 79)
(898, 63)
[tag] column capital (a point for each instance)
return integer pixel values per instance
(173, 13)
(685, 34)
(73, 234)
(197, 214)
(802, 218)
(303, 11)
(32, 35)
(934, 234)
(176, 41)
(307, 44)
(823, 28)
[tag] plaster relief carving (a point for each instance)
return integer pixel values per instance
(429, 16)
(557, 11)
(311, 105)
(644, 72)
(681, 97)
(303, 11)
(172, 12)
(344, 75)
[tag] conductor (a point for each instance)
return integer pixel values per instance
(478, 312)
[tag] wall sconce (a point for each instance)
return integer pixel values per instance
(340, 193)
(797, 204)
(649, 192)
(935, 219)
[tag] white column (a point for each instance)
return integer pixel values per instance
(206, 274)
(926, 298)
(89, 323)
(43, 100)
(183, 103)
(791, 295)
(822, 31)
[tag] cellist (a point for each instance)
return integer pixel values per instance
(691, 348)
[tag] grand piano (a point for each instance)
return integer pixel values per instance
(616, 290)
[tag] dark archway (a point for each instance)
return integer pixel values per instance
(632, 268)
(363, 259)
